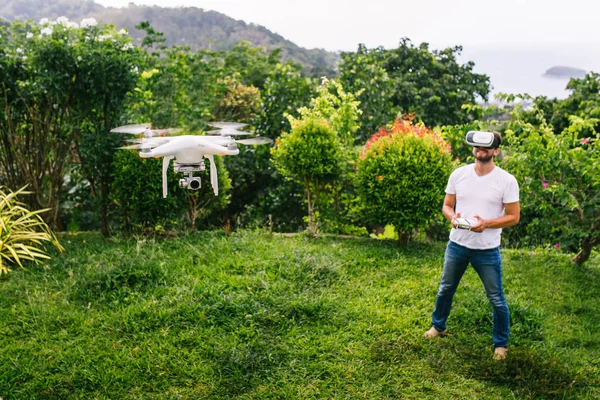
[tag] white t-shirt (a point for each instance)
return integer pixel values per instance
(484, 196)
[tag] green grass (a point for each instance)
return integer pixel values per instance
(255, 316)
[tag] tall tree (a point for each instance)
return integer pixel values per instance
(432, 85)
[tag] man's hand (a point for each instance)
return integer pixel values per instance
(480, 225)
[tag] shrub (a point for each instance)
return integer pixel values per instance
(21, 232)
(559, 175)
(312, 155)
(402, 174)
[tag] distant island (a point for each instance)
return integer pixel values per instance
(562, 72)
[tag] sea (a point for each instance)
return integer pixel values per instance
(521, 69)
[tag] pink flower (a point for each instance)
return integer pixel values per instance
(545, 184)
(557, 245)
(585, 140)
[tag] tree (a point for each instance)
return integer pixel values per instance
(56, 76)
(410, 79)
(310, 154)
(364, 73)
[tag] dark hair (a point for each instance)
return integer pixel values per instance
(497, 140)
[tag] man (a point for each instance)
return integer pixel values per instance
(489, 197)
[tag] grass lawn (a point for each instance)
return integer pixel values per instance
(258, 316)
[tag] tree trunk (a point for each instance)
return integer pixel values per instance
(586, 250)
(403, 238)
(104, 210)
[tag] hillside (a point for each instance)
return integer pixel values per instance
(190, 26)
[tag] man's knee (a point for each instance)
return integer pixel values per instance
(446, 289)
(497, 300)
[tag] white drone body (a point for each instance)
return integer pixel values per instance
(189, 151)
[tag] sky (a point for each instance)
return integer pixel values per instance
(496, 35)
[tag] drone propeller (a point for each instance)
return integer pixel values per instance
(232, 125)
(146, 129)
(132, 147)
(134, 129)
(229, 132)
(256, 140)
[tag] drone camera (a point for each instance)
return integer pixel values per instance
(194, 183)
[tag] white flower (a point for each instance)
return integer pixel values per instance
(79, 58)
(55, 106)
(123, 31)
(102, 38)
(62, 20)
(87, 37)
(88, 22)
(135, 69)
(19, 50)
(44, 21)
(72, 25)
(127, 46)
(24, 58)
(29, 35)
(46, 31)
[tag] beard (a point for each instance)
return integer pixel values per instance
(484, 159)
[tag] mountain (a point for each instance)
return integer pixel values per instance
(190, 26)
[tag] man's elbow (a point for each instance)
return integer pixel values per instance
(516, 219)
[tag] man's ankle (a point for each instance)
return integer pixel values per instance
(500, 353)
(433, 332)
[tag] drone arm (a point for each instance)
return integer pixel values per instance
(166, 161)
(213, 174)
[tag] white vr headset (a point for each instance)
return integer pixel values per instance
(482, 139)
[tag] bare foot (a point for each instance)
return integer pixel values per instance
(433, 333)
(499, 353)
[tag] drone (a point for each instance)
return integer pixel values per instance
(189, 151)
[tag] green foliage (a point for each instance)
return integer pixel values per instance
(312, 155)
(285, 91)
(253, 64)
(141, 207)
(582, 102)
(179, 89)
(559, 174)
(57, 78)
(258, 316)
(22, 232)
(411, 79)
(335, 105)
(402, 174)
(239, 103)
(364, 73)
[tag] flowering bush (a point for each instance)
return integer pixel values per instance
(559, 175)
(402, 174)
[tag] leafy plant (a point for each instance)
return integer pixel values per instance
(56, 76)
(402, 174)
(310, 154)
(432, 84)
(22, 232)
(559, 175)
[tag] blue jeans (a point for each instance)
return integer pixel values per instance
(488, 264)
